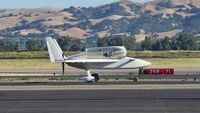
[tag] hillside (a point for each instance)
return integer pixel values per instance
(161, 17)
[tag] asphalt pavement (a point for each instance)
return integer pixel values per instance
(101, 101)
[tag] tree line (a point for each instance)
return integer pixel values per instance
(180, 42)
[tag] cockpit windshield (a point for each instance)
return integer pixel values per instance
(113, 52)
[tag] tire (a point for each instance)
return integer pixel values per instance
(96, 76)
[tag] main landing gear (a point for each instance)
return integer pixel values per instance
(91, 77)
(96, 76)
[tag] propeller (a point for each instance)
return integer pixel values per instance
(63, 64)
(63, 68)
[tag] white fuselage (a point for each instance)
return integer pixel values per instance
(105, 58)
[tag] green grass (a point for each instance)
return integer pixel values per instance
(46, 64)
(24, 80)
(63, 78)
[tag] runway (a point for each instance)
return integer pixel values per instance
(101, 101)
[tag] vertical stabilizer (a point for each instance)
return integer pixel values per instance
(55, 52)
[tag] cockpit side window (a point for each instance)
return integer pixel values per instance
(105, 55)
(108, 54)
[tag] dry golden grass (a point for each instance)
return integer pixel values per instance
(28, 64)
(192, 63)
(74, 32)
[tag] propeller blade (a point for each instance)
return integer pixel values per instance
(63, 68)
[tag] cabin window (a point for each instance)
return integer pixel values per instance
(105, 54)
(108, 54)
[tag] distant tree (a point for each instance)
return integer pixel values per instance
(158, 45)
(70, 44)
(185, 42)
(127, 41)
(130, 43)
(35, 44)
(166, 43)
(6, 45)
(76, 46)
(100, 42)
(148, 43)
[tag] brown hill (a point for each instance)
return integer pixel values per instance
(161, 17)
(154, 3)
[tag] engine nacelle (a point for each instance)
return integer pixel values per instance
(88, 79)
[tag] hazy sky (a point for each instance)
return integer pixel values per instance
(55, 3)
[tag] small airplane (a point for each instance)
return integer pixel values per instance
(112, 57)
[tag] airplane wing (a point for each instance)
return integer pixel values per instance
(92, 61)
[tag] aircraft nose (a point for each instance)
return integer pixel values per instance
(148, 63)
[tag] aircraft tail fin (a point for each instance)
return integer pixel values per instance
(55, 52)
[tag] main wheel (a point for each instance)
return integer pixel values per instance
(96, 76)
